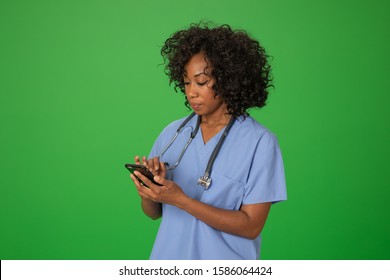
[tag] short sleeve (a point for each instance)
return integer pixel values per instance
(266, 180)
(156, 149)
(162, 139)
(166, 135)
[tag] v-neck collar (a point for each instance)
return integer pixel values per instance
(211, 142)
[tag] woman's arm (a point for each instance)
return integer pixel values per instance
(151, 208)
(246, 222)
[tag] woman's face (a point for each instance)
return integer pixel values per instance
(198, 86)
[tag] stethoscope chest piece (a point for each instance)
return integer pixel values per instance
(204, 181)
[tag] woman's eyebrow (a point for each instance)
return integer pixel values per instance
(196, 75)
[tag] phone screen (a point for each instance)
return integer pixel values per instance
(143, 170)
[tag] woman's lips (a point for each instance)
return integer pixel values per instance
(195, 106)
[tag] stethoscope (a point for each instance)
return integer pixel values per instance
(205, 180)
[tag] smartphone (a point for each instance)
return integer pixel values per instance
(143, 170)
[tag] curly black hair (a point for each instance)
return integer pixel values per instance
(238, 63)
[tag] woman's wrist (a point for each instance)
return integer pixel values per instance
(184, 202)
(151, 208)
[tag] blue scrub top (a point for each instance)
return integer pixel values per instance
(248, 170)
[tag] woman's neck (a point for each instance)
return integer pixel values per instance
(211, 125)
(216, 121)
(218, 118)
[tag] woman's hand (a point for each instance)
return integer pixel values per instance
(151, 208)
(157, 167)
(169, 192)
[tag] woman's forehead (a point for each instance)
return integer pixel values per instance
(197, 66)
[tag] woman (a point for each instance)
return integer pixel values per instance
(222, 73)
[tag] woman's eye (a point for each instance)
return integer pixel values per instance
(198, 83)
(203, 83)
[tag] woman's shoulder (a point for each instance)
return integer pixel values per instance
(250, 124)
(256, 131)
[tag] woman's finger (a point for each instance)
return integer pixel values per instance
(144, 161)
(136, 160)
(144, 179)
(156, 164)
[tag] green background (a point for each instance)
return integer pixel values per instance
(82, 91)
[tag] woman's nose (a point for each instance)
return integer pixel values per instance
(191, 91)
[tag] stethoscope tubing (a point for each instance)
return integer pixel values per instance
(193, 134)
(204, 180)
